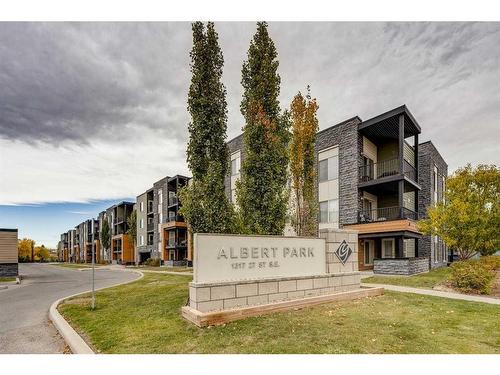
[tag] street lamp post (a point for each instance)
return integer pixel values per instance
(93, 272)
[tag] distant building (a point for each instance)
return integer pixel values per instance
(9, 266)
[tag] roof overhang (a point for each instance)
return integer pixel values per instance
(386, 125)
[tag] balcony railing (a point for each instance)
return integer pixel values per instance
(379, 170)
(179, 243)
(386, 168)
(386, 214)
(150, 227)
(150, 207)
(409, 171)
(172, 201)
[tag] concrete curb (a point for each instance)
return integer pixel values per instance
(70, 336)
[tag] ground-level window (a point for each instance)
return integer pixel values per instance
(329, 211)
(409, 248)
(388, 249)
(369, 251)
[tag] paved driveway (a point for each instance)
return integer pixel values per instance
(24, 320)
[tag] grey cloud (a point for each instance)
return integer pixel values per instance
(69, 81)
(114, 81)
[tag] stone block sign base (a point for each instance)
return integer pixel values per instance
(204, 319)
(305, 272)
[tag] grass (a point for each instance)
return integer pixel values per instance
(425, 280)
(144, 317)
(76, 265)
(162, 269)
(7, 279)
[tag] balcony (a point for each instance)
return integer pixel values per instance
(386, 168)
(150, 227)
(173, 243)
(386, 214)
(150, 207)
(172, 201)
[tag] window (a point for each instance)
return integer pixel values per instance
(434, 184)
(141, 224)
(443, 183)
(235, 163)
(329, 169)
(409, 248)
(369, 247)
(142, 206)
(436, 249)
(142, 240)
(388, 248)
(329, 211)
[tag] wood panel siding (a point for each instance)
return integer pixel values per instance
(8, 245)
(385, 226)
(128, 254)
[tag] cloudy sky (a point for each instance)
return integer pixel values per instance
(93, 113)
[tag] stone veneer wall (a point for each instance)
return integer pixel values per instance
(401, 266)
(344, 135)
(9, 270)
(428, 156)
(339, 277)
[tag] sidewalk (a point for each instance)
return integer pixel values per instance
(436, 293)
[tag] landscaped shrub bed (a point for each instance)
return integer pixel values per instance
(475, 276)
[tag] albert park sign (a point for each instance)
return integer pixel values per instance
(232, 258)
(235, 276)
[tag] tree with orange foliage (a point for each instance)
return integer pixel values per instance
(304, 208)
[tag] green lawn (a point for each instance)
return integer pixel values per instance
(162, 269)
(7, 279)
(76, 265)
(425, 280)
(144, 317)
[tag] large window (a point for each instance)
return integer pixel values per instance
(409, 248)
(329, 169)
(329, 211)
(388, 249)
(235, 163)
(369, 251)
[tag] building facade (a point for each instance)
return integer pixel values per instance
(373, 177)
(161, 229)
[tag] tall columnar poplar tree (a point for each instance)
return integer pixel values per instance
(204, 203)
(304, 207)
(261, 192)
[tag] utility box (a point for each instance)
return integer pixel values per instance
(9, 266)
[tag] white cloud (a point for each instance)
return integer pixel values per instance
(101, 170)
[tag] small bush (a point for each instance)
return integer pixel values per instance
(152, 262)
(472, 276)
(492, 262)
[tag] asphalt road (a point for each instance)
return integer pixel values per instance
(24, 321)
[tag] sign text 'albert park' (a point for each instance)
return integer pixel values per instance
(225, 258)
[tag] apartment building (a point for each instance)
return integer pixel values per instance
(122, 246)
(161, 230)
(63, 252)
(369, 179)
(145, 226)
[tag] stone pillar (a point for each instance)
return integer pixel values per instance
(341, 250)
